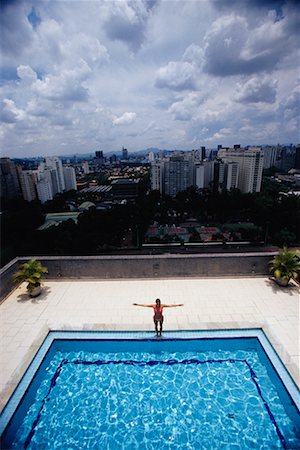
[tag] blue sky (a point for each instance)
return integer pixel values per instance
(99, 75)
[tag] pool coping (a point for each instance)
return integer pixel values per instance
(52, 335)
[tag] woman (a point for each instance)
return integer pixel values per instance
(158, 317)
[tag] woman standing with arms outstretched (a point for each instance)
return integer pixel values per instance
(158, 317)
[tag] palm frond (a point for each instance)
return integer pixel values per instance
(286, 263)
(30, 272)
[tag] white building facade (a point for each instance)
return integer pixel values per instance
(85, 167)
(250, 161)
(232, 175)
(176, 175)
(28, 180)
(204, 174)
(270, 157)
(69, 178)
(156, 175)
(44, 190)
(54, 163)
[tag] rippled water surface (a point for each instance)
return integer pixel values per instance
(211, 400)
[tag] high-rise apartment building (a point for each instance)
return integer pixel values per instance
(124, 153)
(10, 187)
(44, 190)
(28, 181)
(70, 178)
(297, 158)
(99, 158)
(270, 156)
(54, 163)
(250, 162)
(50, 175)
(151, 157)
(172, 174)
(225, 175)
(85, 167)
(202, 153)
(176, 175)
(199, 176)
(203, 174)
(156, 175)
(232, 175)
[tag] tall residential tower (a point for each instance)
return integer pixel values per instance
(250, 161)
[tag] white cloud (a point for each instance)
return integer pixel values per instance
(292, 103)
(26, 74)
(194, 55)
(66, 86)
(88, 48)
(291, 111)
(265, 39)
(292, 126)
(126, 22)
(257, 90)
(176, 75)
(187, 107)
(223, 133)
(233, 46)
(10, 113)
(126, 119)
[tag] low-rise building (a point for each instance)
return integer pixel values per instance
(125, 188)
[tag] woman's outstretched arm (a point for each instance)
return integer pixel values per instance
(143, 304)
(173, 305)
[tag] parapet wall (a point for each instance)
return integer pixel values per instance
(144, 266)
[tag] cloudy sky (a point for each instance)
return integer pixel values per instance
(80, 76)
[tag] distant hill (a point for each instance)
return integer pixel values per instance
(131, 153)
(77, 155)
(91, 155)
(146, 151)
(110, 153)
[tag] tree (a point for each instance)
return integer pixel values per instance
(285, 265)
(32, 273)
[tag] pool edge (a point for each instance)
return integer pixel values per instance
(258, 333)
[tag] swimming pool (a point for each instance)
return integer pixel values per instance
(127, 390)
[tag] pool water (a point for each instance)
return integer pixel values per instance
(162, 395)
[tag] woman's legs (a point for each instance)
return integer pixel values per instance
(161, 326)
(160, 322)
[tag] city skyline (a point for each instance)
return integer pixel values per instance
(100, 75)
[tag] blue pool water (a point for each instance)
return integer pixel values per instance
(171, 394)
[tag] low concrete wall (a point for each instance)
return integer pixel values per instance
(6, 278)
(145, 266)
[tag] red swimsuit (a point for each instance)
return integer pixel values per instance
(158, 316)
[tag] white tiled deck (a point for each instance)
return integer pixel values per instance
(107, 305)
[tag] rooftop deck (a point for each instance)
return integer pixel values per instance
(209, 303)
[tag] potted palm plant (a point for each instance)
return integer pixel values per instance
(285, 266)
(32, 273)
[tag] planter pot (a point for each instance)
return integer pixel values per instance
(35, 292)
(282, 281)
